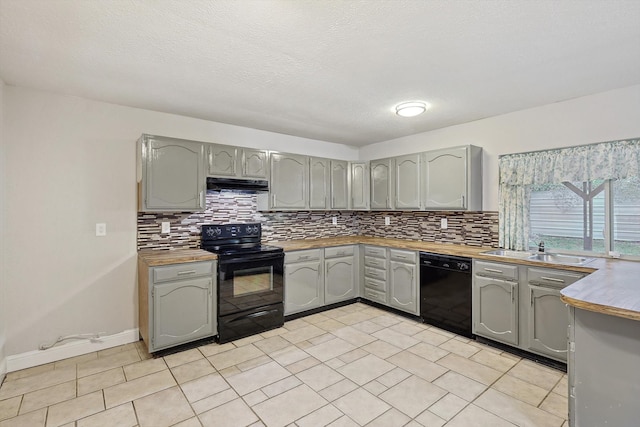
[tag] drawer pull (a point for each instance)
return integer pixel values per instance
(184, 273)
(494, 270)
(552, 279)
(303, 257)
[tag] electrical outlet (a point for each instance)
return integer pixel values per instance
(335, 220)
(101, 229)
(166, 227)
(387, 220)
(443, 223)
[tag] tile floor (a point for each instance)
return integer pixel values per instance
(351, 366)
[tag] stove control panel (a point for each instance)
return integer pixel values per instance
(226, 231)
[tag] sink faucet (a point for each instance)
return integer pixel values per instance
(541, 247)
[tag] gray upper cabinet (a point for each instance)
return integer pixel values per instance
(289, 181)
(381, 183)
(255, 163)
(319, 183)
(222, 159)
(359, 185)
(340, 274)
(171, 175)
(339, 184)
(407, 182)
(235, 162)
(453, 179)
(495, 309)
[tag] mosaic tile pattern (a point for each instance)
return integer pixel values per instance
(469, 228)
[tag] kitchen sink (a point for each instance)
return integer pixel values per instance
(551, 258)
(509, 254)
(560, 259)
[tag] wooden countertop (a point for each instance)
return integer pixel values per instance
(611, 287)
(163, 257)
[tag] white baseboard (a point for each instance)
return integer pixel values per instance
(72, 349)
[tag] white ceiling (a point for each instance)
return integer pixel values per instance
(323, 69)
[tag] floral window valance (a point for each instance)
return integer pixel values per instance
(606, 160)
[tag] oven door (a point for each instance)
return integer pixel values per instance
(249, 281)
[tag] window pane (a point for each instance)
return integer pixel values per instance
(626, 216)
(568, 217)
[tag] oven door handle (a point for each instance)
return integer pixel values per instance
(253, 257)
(252, 315)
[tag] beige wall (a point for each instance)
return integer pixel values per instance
(71, 164)
(601, 117)
(3, 240)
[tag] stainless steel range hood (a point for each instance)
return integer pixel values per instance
(248, 185)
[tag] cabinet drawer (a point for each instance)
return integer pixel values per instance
(403, 256)
(375, 262)
(375, 251)
(182, 271)
(494, 269)
(375, 273)
(338, 251)
(374, 295)
(553, 278)
(300, 256)
(378, 285)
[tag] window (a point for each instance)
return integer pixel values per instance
(573, 216)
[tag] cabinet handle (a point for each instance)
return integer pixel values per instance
(273, 200)
(531, 296)
(400, 256)
(184, 273)
(202, 201)
(462, 198)
(551, 279)
(303, 257)
(512, 296)
(493, 270)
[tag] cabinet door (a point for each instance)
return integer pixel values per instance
(548, 322)
(339, 184)
(174, 175)
(407, 194)
(495, 309)
(303, 286)
(403, 286)
(381, 184)
(289, 181)
(183, 311)
(446, 179)
(359, 185)
(222, 160)
(255, 163)
(339, 279)
(319, 178)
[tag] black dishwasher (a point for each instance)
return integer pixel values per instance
(445, 292)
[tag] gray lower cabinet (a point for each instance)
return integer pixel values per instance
(548, 316)
(340, 274)
(179, 305)
(303, 281)
(171, 175)
(521, 306)
(359, 185)
(375, 273)
(495, 309)
(403, 281)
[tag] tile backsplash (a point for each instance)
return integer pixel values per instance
(470, 228)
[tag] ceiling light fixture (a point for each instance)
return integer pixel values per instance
(411, 109)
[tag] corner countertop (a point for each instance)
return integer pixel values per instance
(611, 287)
(164, 257)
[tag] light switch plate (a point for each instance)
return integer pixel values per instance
(335, 220)
(166, 227)
(101, 229)
(387, 220)
(443, 223)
